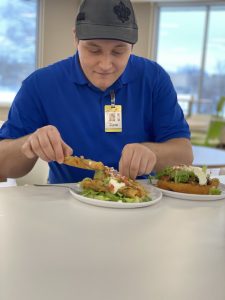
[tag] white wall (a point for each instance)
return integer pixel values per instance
(145, 20)
(57, 20)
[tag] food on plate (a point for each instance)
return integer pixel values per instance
(81, 162)
(110, 185)
(187, 179)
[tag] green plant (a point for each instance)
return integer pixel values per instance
(220, 105)
(214, 133)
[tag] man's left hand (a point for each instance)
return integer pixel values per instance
(136, 160)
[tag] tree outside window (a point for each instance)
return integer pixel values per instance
(18, 28)
(191, 47)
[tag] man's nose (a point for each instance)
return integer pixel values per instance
(105, 62)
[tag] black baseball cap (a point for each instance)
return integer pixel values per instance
(107, 19)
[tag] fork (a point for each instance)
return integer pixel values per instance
(76, 189)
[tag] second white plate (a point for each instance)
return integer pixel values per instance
(184, 196)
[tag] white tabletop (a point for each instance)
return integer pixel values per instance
(53, 247)
(211, 157)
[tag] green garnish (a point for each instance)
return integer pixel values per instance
(165, 172)
(177, 175)
(112, 197)
(181, 176)
(214, 191)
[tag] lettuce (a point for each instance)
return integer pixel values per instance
(214, 191)
(106, 196)
(176, 175)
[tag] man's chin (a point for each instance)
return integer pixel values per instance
(104, 86)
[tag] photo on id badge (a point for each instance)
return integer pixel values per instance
(112, 117)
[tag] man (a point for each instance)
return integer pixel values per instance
(67, 107)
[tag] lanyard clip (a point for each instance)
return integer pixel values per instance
(113, 99)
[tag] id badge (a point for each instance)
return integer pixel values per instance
(113, 118)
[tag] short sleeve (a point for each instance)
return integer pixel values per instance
(26, 113)
(168, 117)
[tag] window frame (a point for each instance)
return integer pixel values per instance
(154, 48)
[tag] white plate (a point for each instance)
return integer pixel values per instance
(196, 197)
(155, 194)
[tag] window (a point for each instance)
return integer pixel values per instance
(191, 47)
(18, 27)
(214, 73)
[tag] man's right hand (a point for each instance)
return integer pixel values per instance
(46, 143)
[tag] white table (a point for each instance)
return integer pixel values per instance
(53, 247)
(211, 157)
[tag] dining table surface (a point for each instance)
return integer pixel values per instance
(212, 157)
(54, 247)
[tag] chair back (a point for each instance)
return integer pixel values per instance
(38, 175)
(214, 134)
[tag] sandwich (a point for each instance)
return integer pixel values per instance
(187, 179)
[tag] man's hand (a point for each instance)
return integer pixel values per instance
(136, 160)
(46, 143)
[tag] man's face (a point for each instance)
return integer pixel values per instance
(103, 61)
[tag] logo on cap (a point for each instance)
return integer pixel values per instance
(122, 11)
(81, 16)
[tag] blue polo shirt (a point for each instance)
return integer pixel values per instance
(61, 95)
